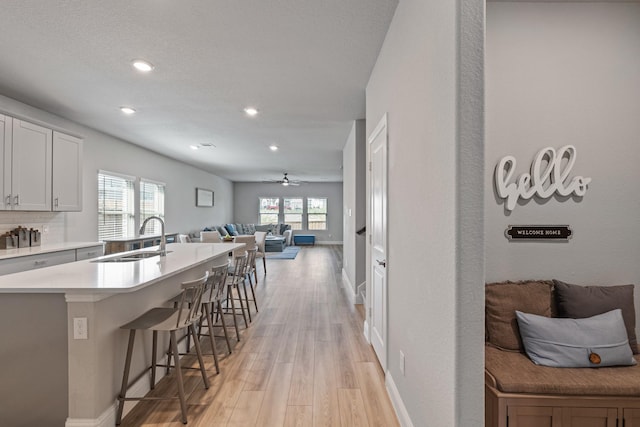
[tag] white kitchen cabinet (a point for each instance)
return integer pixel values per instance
(5, 161)
(67, 173)
(89, 253)
(32, 262)
(31, 157)
(42, 168)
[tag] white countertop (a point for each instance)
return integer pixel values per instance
(45, 248)
(107, 278)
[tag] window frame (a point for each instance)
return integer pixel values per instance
(326, 213)
(130, 227)
(260, 213)
(141, 214)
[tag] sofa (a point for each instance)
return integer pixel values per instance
(281, 230)
(520, 392)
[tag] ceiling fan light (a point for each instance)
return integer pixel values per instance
(285, 183)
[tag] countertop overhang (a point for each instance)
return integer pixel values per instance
(91, 281)
(45, 248)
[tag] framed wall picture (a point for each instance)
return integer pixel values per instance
(204, 197)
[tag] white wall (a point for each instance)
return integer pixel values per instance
(354, 206)
(428, 78)
(567, 73)
(108, 153)
(246, 195)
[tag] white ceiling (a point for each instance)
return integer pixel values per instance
(303, 63)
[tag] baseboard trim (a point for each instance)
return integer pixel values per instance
(348, 287)
(365, 331)
(396, 401)
(106, 419)
(359, 294)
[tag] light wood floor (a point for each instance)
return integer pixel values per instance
(302, 362)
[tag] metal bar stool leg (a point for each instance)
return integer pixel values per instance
(233, 310)
(176, 356)
(154, 348)
(196, 344)
(209, 315)
(224, 326)
(125, 376)
(246, 297)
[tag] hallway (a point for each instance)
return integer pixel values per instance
(302, 362)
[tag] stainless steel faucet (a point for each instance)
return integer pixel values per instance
(163, 240)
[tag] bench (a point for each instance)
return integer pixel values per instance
(519, 392)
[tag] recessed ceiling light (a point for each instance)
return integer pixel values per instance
(127, 110)
(251, 111)
(273, 147)
(143, 66)
(194, 147)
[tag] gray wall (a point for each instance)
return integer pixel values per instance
(574, 80)
(108, 153)
(246, 195)
(428, 78)
(354, 204)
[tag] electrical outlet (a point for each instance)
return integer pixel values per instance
(45, 229)
(80, 328)
(402, 363)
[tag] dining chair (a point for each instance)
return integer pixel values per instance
(210, 237)
(261, 237)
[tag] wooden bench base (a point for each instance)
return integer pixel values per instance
(516, 409)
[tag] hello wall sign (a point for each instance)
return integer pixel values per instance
(548, 175)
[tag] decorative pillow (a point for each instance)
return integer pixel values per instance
(263, 227)
(222, 231)
(578, 302)
(591, 342)
(231, 228)
(249, 229)
(502, 301)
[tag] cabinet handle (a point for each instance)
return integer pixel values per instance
(91, 253)
(37, 263)
(55, 202)
(8, 200)
(17, 200)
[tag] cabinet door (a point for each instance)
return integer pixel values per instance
(89, 253)
(5, 161)
(589, 417)
(534, 416)
(631, 417)
(67, 172)
(31, 167)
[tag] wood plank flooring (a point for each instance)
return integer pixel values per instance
(302, 362)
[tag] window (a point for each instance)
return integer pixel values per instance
(316, 213)
(151, 204)
(115, 206)
(293, 212)
(269, 210)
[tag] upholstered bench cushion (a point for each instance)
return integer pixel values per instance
(514, 373)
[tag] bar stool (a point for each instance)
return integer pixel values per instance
(167, 319)
(251, 269)
(236, 273)
(212, 303)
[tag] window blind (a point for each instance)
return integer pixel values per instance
(115, 207)
(151, 204)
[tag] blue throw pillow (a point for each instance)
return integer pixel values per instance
(231, 229)
(222, 231)
(591, 342)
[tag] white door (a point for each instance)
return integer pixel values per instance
(67, 172)
(378, 188)
(31, 161)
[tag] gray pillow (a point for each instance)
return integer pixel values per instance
(592, 342)
(578, 302)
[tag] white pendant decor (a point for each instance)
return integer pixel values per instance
(548, 176)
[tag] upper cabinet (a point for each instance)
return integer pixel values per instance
(42, 168)
(67, 172)
(5, 161)
(31, 167)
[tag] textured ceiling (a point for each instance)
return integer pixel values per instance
(303, 63)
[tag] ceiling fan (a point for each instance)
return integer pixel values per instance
(285, 181)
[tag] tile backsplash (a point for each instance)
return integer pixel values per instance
(50, 224)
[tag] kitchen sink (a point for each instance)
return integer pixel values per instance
(132, 257)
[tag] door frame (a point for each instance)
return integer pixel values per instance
(380, 127)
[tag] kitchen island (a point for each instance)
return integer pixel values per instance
(51, 379)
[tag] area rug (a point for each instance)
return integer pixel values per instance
(289, 252)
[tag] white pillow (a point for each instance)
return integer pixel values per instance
(592, 342)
